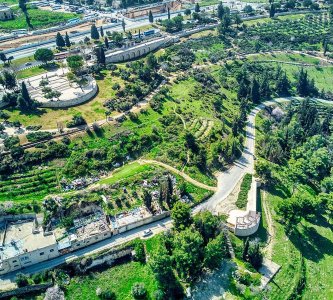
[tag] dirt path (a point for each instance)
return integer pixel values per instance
(270, 227)
(180, 173)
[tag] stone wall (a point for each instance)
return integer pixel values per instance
(72, 102)
(143, 222)
(138, 50)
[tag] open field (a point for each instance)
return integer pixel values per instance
(39, 18)
(323, 75)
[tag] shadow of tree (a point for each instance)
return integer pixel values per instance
(310, 243)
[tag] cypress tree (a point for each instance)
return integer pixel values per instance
(168, 13)
(197, 7)
(303, 84)
(106, 42)
(60, 42)
(246, 249)
(220, 11)
(101, 31)
(67, 41)
(25, 102)
(283, 85)
(94, 32)
(101, 56)
(255, 93)
(150, 17)
(123, 24)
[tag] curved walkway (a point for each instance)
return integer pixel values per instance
(180, 173)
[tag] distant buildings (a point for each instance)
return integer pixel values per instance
(5, 13)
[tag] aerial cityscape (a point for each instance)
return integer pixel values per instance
(166, 149)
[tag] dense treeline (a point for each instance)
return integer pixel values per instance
(297, 152)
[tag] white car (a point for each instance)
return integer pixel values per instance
(147, 232)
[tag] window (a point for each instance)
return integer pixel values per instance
(27, 262)
(42, 253)
(14, 261)
(105, 234)
(51, 250)
(16, 266)
(96, 237)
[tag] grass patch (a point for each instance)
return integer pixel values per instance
(244, 191)
(119, 279)
(126, 172)
(39, 18)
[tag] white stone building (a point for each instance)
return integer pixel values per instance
(24, 243)
(5, 13)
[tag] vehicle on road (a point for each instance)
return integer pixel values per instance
(147, 232)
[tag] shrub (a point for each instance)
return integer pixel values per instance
(22, 280)
(105, 294)
(139, 291)
(38, 136)
(77, 120)
(244, 190)
(140, 254)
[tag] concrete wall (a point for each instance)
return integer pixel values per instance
(109, 258)
(17, 217)
(71, 102)
(91, 240)
(142, 222)
(25, 290)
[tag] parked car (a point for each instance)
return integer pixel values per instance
(147, 232)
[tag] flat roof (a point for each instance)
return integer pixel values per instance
(19, 239)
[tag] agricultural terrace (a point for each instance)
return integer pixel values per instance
(303, 33)
(39, 19)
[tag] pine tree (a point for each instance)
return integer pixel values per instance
(150, 17)
(67, 41)
(94, 32)
(60, 42)
(255, 91)
(197, 7)
(101, 31)
(106, 42)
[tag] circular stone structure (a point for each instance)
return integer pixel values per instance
(71, 93)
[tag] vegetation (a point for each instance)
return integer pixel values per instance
(38, 18)
(299, 195)
(244, 191)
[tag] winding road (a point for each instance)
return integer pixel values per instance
(227, 180)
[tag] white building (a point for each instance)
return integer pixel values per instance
(24, 243)
(5, 13)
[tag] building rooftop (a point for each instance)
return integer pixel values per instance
(4, 8)
(22, 236)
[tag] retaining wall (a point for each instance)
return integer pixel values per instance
(142, 222)
(71, 102)
(25, 290)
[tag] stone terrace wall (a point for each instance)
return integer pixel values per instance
(71, 102)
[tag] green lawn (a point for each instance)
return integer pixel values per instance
(39, 18)
(126, 172)
(323, 76)
(119, 279)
